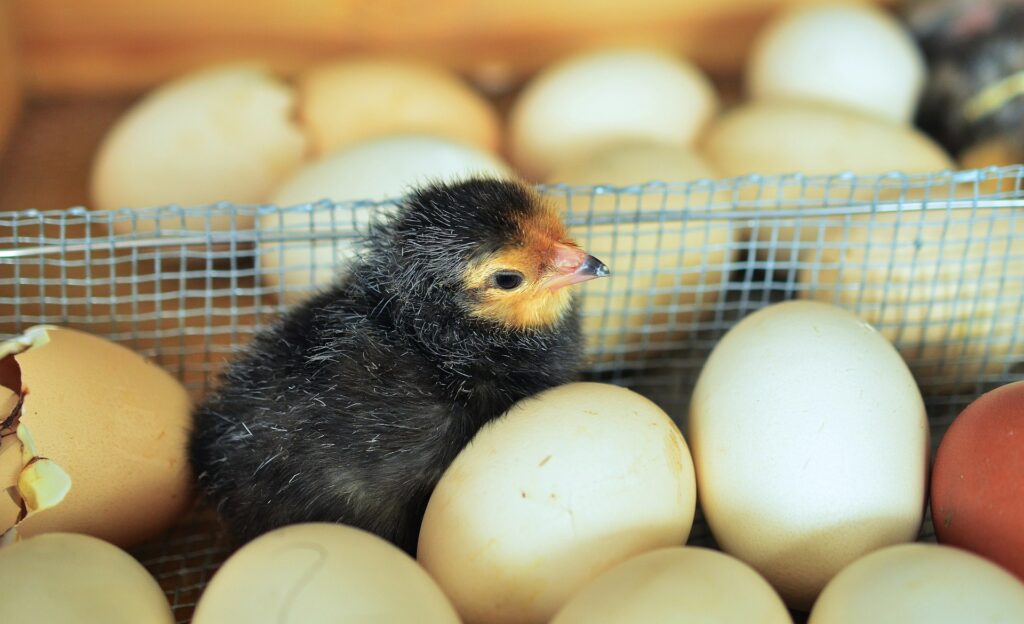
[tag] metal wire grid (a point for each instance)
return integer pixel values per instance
(935, 262)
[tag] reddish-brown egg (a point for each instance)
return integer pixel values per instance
(978, 480)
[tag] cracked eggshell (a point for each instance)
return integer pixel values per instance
(677, 584)
(350, 101)
(66, 577)
(221, 134)
(113, 422)
(810, 440)
(319, 573)
(560, 488)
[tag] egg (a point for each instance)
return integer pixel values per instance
(920, 584)
(66, 577)
(937, 283)
(112, 428)
(774, 138)
(320, 573)
(560, 488)
(350, 101)
(668, 274)
(978, 478)
(851, 54)
(678, 584)
(220, 134)
(605, 96)
(810, 441)
(378, 169)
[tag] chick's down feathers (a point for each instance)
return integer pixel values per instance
(353, 404)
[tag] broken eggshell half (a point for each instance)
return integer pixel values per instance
(92, 439)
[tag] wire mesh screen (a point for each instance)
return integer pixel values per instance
(935, 262)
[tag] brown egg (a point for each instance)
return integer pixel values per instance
(978, 479)
(64, 577)
(100, 416)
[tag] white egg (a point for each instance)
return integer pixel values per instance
(379, 169)
(810, 441)
(551, 494)
(595, 99)
(921, 584)
(849, 54)
(221, 134)
(679, 584)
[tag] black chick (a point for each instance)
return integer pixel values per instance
(351, 407)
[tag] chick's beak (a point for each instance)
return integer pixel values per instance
(573, 266)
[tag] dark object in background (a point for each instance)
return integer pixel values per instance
(353, 405)
(975, 88)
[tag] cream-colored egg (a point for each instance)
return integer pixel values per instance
(810, 441)
(850, 54)
(680, 584)
(350, 101)
(112, 423)
(598, 98)
(921, 584)
(319, 573)
(772, 138)
(379, 169)
(944, 285)
(667, 274)
(221, 134)
(557, 490)
(65, 577)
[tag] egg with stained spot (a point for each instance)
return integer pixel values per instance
(563, 486)
(320, 573)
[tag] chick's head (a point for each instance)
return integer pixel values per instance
(497, 248)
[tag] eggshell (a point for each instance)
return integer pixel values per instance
(597, 98)
(810, 441)
(938, 283)
(557, 490)
(321, 574)
(920, 584)
(350, 101)
(115, 423)
(851, 54)
(978, 479)
(773, 138)
(65, 577)
(680, 584)
(379, 169)
(220, 134)
(667, 275)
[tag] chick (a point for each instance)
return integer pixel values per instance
(351, 407)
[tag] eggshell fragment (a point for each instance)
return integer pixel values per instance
(351, 101)
(667, 273)
(920, 584)
(850, 54)
(597, 98)
(106, 419)
(978, 479)
(386, 168)
(65, 577)
(220, 134)
(680, 584)
(810, 441)
(321, 574)
(560, 488)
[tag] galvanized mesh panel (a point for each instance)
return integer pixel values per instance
(935, 262)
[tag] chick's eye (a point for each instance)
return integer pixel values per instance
(507, 280)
